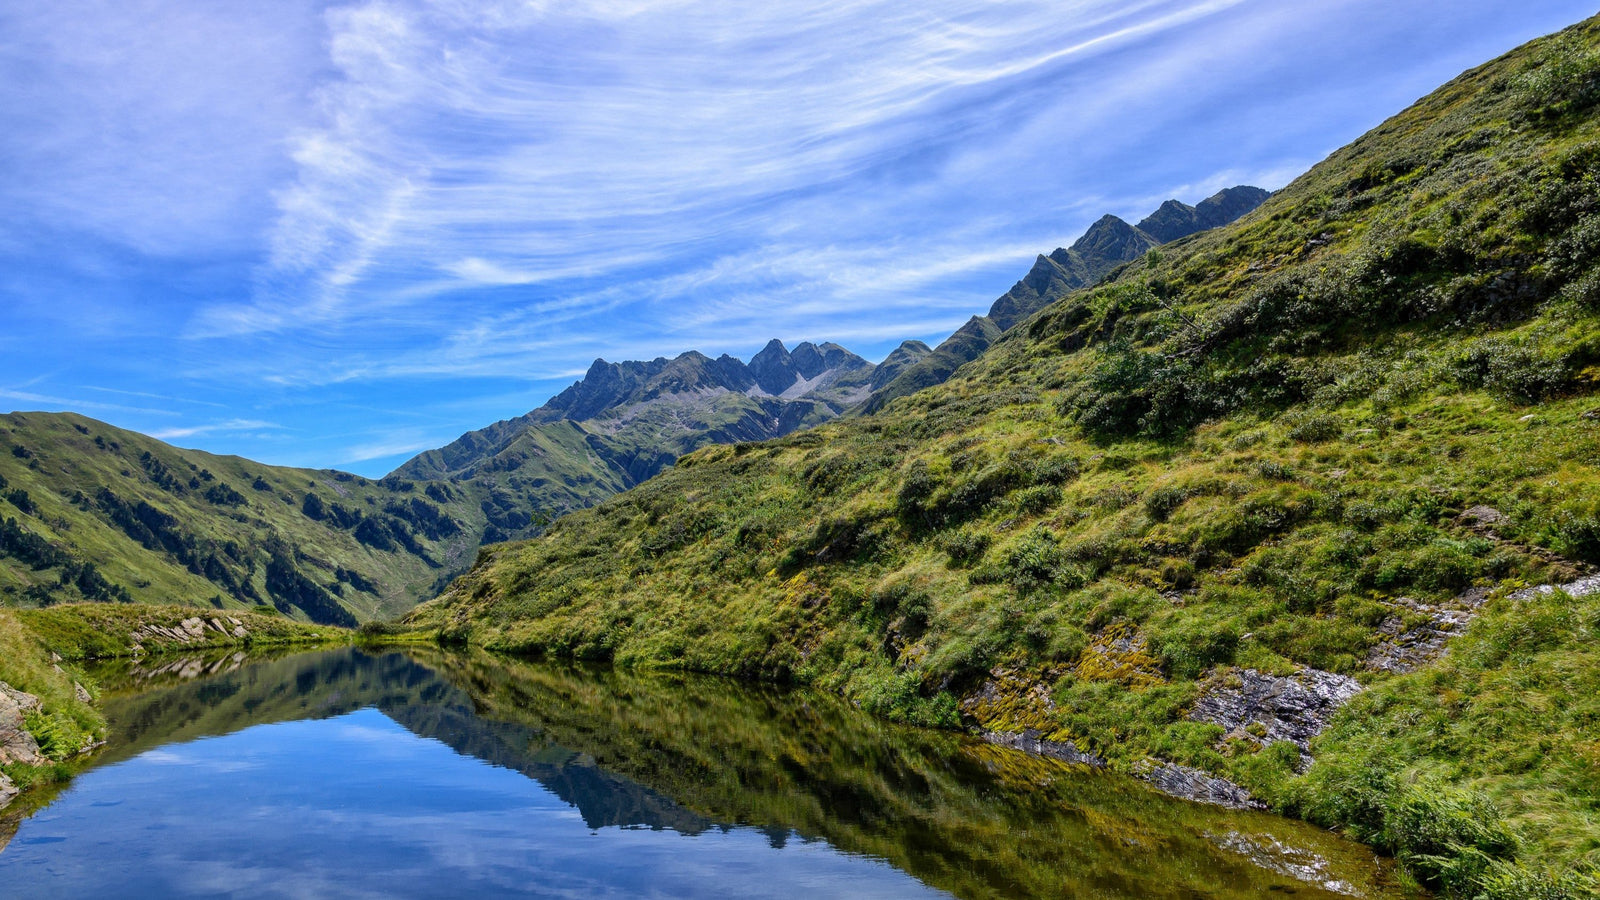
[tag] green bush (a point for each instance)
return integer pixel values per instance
(1566, 80)
(965, 546)
(1516, 370)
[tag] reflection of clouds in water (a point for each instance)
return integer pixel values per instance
(179, 757)
(356, 806)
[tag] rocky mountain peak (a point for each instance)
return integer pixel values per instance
(1172, 220)
(1112, 238)
(773, 368)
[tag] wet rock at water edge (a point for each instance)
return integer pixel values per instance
(1029, 741)
(1201, 787)
(16, 744)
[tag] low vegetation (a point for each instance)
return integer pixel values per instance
(1240, 451)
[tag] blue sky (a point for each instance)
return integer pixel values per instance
(336, 234)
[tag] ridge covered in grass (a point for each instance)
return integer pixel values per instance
(1250, 449)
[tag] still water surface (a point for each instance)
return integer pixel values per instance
(342, 773)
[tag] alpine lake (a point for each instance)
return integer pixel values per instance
(424, 773)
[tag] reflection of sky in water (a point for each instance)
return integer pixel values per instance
(357, 806)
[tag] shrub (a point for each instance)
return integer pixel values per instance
(965, 546)
(1566, 80)
(1515, 370)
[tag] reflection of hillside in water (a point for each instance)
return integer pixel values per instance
(178, 704)
(692, 753)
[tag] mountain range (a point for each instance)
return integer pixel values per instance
(624, 422)
(1109, 243)
(89, 511)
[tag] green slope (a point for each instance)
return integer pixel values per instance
(1269, 446)
(92, 512)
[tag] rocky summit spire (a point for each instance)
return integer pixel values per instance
(773, 368)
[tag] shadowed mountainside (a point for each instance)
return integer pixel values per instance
(624, 422)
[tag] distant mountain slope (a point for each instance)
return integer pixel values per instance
(93, 512)
(624, 422)
(1108, 243)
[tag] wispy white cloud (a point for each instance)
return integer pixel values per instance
(150, 396)
(231, 426)
(318, 211)
(402, 443)
(514, 144)
(76, 403)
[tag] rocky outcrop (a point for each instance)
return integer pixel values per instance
(1201, 787)
(16, 744)
(1408, 644)
(1175, 220)
(1109, 243)
(1266, 708)
(1030, 741)
(193, 630)
(8, 792)
(1582, 587)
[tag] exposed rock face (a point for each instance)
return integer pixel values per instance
(1193, 784)
(626, 421)
(16, 744)
(1405, 648)
(1109, 243)
(194, 630)
(8, 792)
(1582, 587)
(1029, 742)
(1294, 709)
(1175, 220)
(773, 368)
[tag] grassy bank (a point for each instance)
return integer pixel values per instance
(40, 649)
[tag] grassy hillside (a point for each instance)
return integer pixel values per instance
(92, 512)
(1271, 446)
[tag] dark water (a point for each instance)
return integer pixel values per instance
(342, 773)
